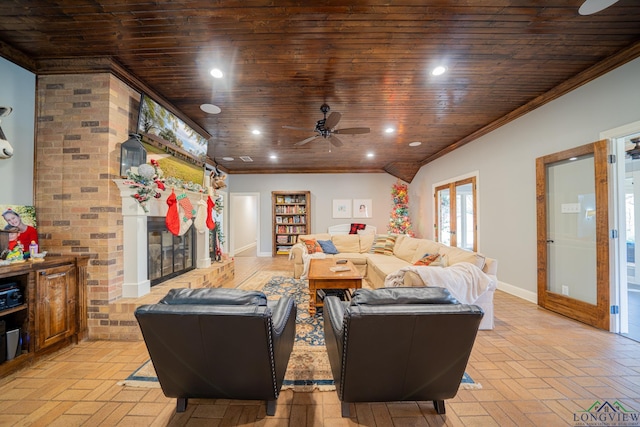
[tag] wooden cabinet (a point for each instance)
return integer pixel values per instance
(53, 310)
(291, 217)
(56, 305)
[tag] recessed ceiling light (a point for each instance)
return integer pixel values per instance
(255, 132)
(438, 71)
(589, 7)
(228, 159)
(415, 143)
(389, 130)
(571, 159)
(273, 157)
(210, 108)
(370, 155)
(215, 72)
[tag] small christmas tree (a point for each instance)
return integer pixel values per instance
(399, 222)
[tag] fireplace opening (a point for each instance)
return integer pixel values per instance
(168, 255)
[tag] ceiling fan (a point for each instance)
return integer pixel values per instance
(634, 152)
(325, 128)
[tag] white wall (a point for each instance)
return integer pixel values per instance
(17, 90)
(324, 188)
(505, 159)
(243, 210)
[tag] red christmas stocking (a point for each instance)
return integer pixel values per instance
(210, 205)
(172, 219)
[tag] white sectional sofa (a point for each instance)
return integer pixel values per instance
(470, 276)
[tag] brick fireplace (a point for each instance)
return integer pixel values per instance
(81, 120)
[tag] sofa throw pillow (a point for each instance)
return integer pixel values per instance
(312, 245)
(328, 247)
(434, 260)
(355, 227)
(383, 244)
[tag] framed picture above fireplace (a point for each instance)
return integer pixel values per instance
(180, 151)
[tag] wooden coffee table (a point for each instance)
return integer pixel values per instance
(321, 277)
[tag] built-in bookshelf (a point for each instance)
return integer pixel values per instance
(291, 217)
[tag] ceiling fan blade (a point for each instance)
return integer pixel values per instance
(335, 141)
(297, 128)
(352, 131)
(304, 141)
(332, 120)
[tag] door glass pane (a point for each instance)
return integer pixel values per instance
(444, 211)
(464, 216)
(571, 233)
(630, 290)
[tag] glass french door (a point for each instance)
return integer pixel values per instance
(456, 218)
(573, 233)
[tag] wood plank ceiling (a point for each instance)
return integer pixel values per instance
(369, 60)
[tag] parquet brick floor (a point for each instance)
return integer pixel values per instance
(536, 368)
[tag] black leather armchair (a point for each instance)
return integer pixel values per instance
(219, 343)
(397, 344)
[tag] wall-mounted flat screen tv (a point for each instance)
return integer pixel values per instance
(180, 151)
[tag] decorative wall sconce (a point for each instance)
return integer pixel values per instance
(132, 154)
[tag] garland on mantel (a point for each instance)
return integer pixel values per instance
(149, 181)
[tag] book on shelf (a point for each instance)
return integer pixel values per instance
(291, 229)
(282, 250)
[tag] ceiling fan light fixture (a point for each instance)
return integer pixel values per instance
(589, 7)
(326, 129)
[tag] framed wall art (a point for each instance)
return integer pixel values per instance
(342, 208)
(362, 208)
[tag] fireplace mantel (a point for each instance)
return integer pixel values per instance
(136, 282)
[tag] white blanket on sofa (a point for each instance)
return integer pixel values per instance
(306, 259)
(465, 281)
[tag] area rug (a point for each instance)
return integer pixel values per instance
(308, 367)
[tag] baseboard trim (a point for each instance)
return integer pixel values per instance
(518, 292)
(244, 248)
